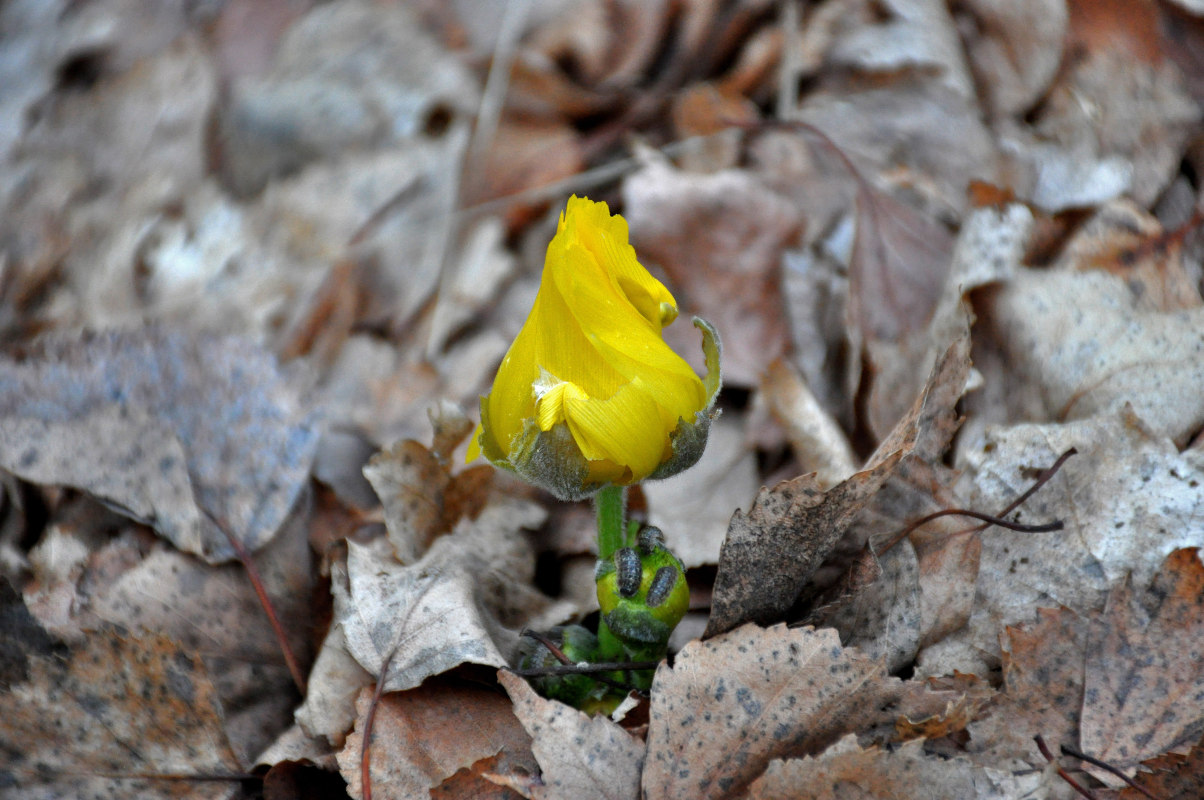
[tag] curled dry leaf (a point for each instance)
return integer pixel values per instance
(183, 424)
(463, 601)
(774, 548)
(424, 736)
(421, 498)
(579, 756)
(116, 710)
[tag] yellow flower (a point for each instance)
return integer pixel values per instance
(589, 393)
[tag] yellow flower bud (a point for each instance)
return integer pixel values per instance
(589, 393)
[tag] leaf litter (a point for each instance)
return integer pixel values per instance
(251, 253)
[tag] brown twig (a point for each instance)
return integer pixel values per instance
(990, 519)
(568, 662)
(369, 722)
(1061, 772)
(586, 668)
(1104, 765)
(244, 557)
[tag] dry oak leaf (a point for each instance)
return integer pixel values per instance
(89, 725)
(846, 771)
(162, 424)
(581, 757)
(424, 736)
(730, 705)
(1144, 677)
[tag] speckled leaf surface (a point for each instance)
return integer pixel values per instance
(116, 709)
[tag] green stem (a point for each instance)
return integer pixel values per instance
(611, 505)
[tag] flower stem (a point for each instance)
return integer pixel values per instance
(611, 505)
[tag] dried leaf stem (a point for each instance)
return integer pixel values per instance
(989, 519)
(1070, 751)
(244, 557)
(1061, 772)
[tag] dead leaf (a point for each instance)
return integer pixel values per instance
(173, 417)
(1122, 239)
(375, 75)
(118, 710)
(423, 736)
(1086, 342)
(422, 499)
(772, 550)
(730, 705)
(1143, 679)
(1013, 60)
(479, 781)
(898, 265)
(1042, 688)
(1171, 776)
(719, 238)
(580, 756)
(820, 446)
(464, 601)
(845, 770)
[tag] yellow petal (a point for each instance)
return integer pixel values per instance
(624, 428)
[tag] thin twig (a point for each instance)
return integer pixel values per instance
(244, 556)
(566, 661)
(1070, 751)
(1061, 772)
(989, 519)
(369, 722)
(585, 668)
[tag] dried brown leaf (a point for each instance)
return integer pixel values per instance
(719, 238)
(463, 601)
(579, 756)
(1042, 688)
(1171, 776)
(162, 425)
(845, 771)
(773, 549)
(730, 705)
(1088, 345)
(1144, 677)
(1013, 59)
(113, 712)
(423, 736)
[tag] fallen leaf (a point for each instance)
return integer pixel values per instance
(120, 710)
(423, 736)
(719, 239)
(730, 705)
(422, 499)
(845, 770)
(579, 756)
(1170, 775)
(1143, 679)
(463, 601)
(479, 781)
(173, 417)
(1013, 60)
(820, 446)
(1042, 688)
(774, 548)
(1084, 340)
